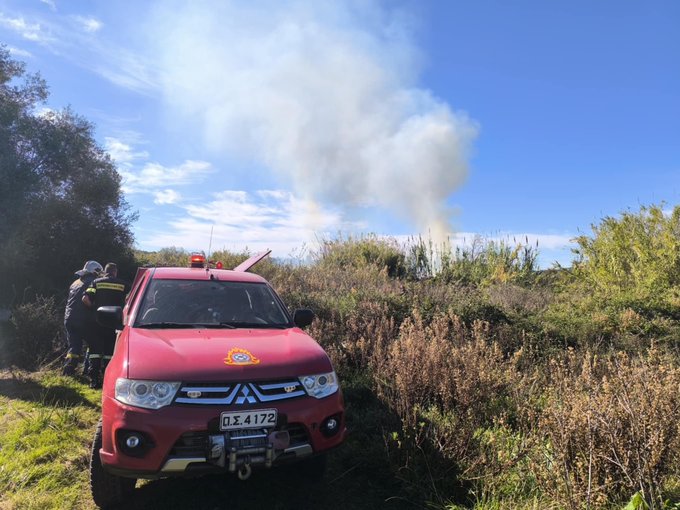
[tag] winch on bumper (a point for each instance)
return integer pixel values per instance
(241, 449)
(237, 451)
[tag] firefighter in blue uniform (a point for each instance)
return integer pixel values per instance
(77, 318)
(106, 291)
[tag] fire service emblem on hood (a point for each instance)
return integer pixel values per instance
(238, 356)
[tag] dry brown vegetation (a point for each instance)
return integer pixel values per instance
(506, 393)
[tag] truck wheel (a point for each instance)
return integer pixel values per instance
(314, 468)
(107, 489)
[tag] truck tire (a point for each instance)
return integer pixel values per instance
(107, 489)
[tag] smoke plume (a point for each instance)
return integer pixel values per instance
(323, 93)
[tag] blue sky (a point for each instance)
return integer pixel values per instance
(274, 124)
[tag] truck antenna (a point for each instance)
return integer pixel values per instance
(207, 265)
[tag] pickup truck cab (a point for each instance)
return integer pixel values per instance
(209, 374)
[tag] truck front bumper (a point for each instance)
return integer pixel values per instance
(185, 440)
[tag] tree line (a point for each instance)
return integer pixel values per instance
(60, 193)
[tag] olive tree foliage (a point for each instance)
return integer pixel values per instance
(60, 196)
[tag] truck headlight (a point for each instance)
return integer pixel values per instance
(146, 394)
(321, 385)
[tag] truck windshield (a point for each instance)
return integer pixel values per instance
(210, 303)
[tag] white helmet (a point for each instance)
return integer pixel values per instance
(91, 266)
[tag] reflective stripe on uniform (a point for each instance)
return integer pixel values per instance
(70, 355)
(91, 290)
(111, 286)
(95, 356)
(107, 357)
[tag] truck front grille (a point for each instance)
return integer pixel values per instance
(195, 444)
(239, 393)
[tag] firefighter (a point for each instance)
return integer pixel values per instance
(78, 319)
(106, 291)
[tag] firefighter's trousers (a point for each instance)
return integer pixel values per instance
(101, 343)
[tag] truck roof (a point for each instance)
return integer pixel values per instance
(199, 273)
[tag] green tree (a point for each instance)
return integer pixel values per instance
(60, 196)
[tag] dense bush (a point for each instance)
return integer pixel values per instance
(369, 250)
(35, 335)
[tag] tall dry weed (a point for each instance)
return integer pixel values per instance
(610, 428)
(447, 367)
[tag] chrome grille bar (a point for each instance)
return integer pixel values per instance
(240, 393)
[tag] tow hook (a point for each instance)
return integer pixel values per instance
(244, 472)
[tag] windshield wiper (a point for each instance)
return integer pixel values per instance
(166, 325)
(254, 325)
(216, 325)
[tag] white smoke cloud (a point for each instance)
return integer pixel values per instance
(321, 92)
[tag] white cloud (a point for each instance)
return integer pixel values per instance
(51, 4)
(166, 197)
(18, 52)
(468, 239)
(139, 175)
(549, 247)
(70, 37)
(29, 31)
(264, 219)
(122, 152)
(154, 175)
(45, 111)
(324, 94)
(546, 241)
(123, 68)
(88, 23)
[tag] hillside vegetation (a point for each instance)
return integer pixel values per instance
(472, 378)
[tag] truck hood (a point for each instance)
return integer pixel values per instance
(216, 355)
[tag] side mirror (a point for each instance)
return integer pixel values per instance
(303, 317)
(110, 317)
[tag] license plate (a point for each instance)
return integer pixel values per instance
(256, 419)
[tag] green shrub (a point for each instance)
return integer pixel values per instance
(368, 250)
(169, 257)
(36, 334)
(637, 253)
(626, 277)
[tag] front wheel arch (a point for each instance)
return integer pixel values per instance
(107, 490)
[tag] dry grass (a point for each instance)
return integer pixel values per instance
(610, 428)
